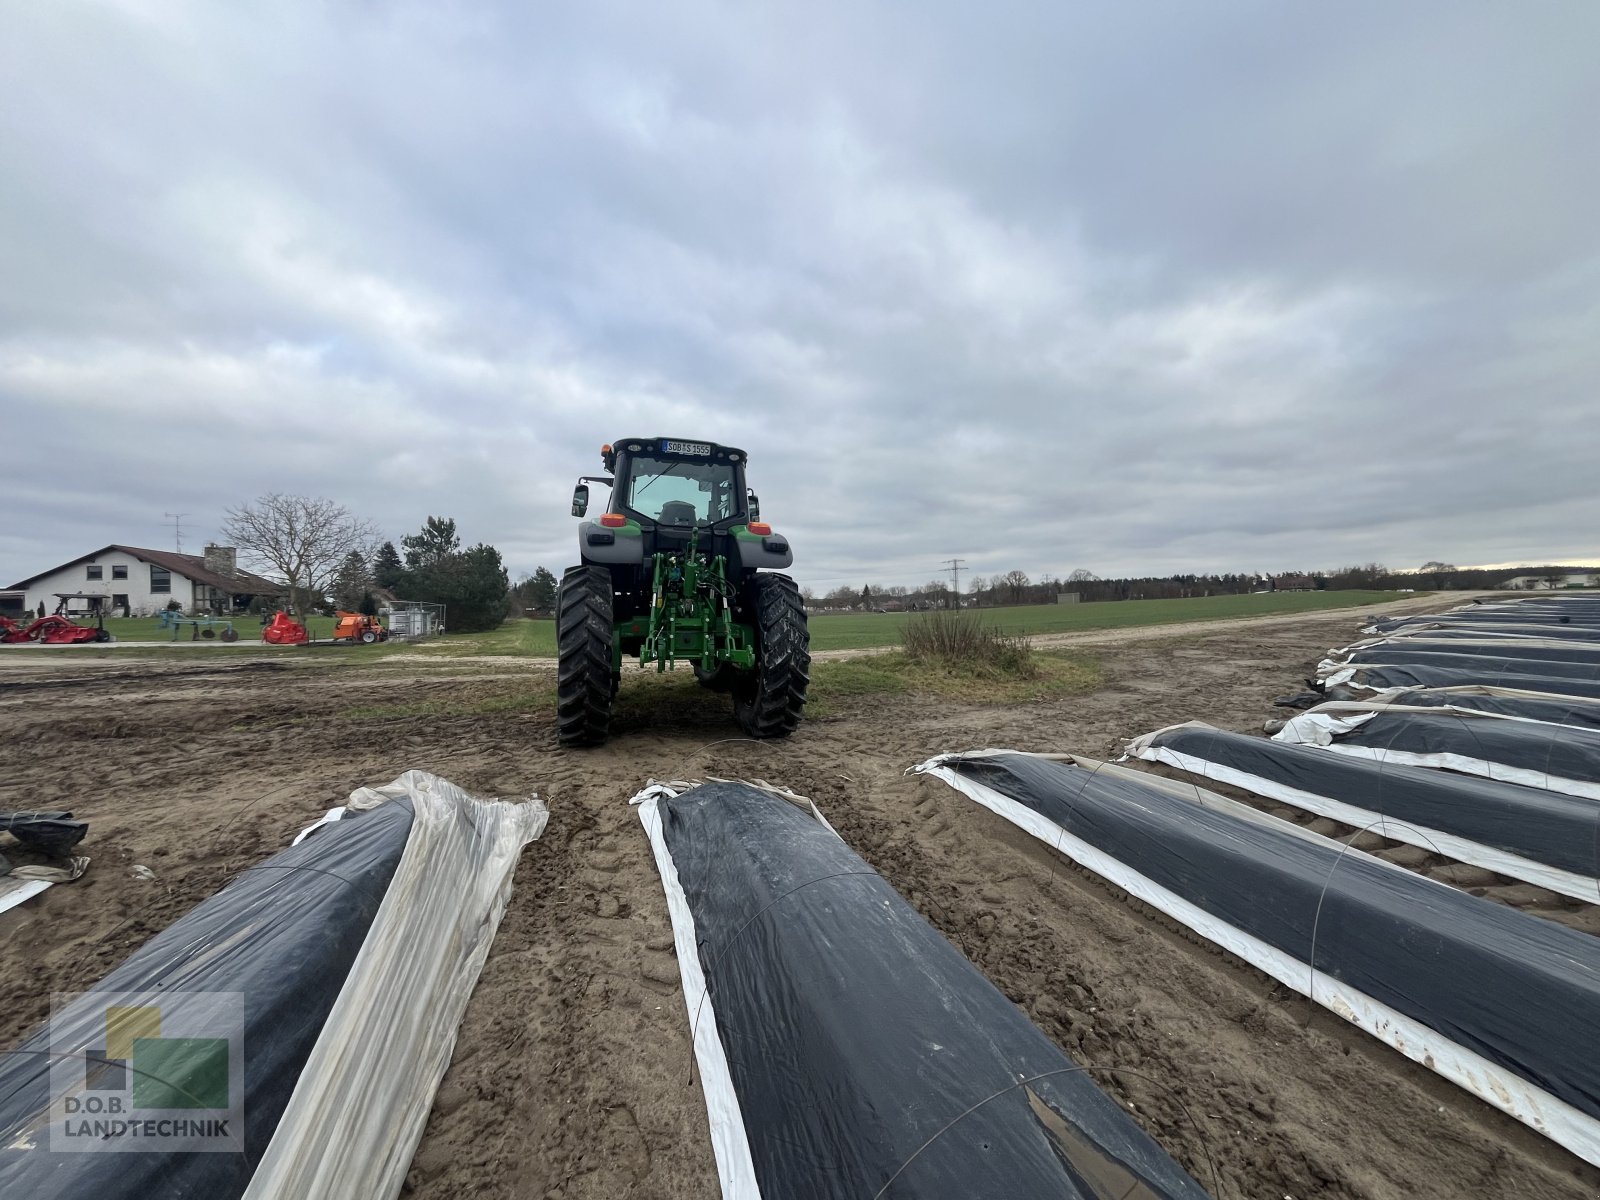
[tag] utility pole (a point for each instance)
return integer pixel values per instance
(177, 528)
(956, 565)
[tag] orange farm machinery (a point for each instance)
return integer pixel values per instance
(357, 627)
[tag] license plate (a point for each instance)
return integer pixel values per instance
(672, 447)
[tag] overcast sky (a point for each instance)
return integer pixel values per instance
(1138, 288)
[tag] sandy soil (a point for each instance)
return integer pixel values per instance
(571, 1076)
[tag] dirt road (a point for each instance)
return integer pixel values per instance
(571, 1076)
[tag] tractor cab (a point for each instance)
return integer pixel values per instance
(667, 493)
(678, 484)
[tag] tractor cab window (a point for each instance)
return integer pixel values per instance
(680, 491)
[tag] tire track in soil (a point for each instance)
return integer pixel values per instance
(572, 1076)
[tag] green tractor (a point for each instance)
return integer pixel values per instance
(680, 568)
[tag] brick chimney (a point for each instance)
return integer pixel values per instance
(222, 560)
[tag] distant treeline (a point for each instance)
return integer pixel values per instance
(1015, 587)
(1371, 577)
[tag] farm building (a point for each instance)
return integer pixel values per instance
(1285, 583)
(129, 581)
(1293, 583)
(1541, 583)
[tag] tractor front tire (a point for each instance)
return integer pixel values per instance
(584, 682)
(770, 700)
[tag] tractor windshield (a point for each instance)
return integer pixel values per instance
(679, 491)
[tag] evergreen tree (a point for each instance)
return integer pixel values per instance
(471, 584)
(387, 569)
(536, 592)
(436, 542)
(351, 581)
(542, 589)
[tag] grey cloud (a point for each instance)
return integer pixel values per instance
(1219, 287)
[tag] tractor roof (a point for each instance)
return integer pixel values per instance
(637, 444)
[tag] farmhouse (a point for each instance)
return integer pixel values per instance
(1285, 583)
(130, 581)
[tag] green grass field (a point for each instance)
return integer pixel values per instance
(853, 631)
(849, 631)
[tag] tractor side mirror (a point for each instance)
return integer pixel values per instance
(754, 505)
(580, 500)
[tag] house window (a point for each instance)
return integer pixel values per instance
(160, 580)
(93, 572)
(119, 571)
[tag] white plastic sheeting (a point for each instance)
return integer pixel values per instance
(24, 883)
(357, 1113)
(1411, 832)
(1504, 1089)
(1345, 715)
(853, 1035)
(1397, 694)
(730, 1145)
(1326, 724)
(1514, 645)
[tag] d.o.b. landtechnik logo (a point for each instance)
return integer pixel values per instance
(134, 1072)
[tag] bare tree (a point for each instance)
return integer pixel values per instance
(303, 539)
(843, 596)
(1082, 576)
(1016, 585)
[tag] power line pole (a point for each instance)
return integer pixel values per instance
(956, 566)
(177, 528)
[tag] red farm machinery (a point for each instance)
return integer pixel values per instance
(51, 631)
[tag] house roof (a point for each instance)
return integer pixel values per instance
(190, 566)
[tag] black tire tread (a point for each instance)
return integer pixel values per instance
(772, 700)
(583, 639)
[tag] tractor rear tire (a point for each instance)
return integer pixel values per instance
(584, 681)
(770, 700)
